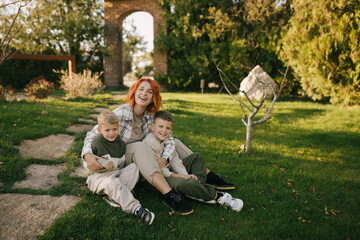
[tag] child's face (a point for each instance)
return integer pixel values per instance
(109, 130)
(161, 128)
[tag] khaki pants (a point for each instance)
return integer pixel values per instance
(142, 155)
(117, 185)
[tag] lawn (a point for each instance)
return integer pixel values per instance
(301, 180)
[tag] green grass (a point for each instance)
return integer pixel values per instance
(301, 180)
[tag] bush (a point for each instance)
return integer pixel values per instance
(321, 45)
(6, 92)
(81, 84)
(39, 88)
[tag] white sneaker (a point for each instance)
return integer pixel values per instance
(228, 201)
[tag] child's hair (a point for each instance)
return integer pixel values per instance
(164, 115)
(107, 116)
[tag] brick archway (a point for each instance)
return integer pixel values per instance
(115, 12)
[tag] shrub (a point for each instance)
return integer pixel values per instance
(81, 84)
(39, 88)
(6, 92)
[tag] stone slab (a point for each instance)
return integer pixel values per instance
(50, 147)
(26, 216)
(40, 176)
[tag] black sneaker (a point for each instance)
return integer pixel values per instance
(145, 215)
(177, 203)
(218, 182)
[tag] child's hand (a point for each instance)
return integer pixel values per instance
(192, 176)
(110, 166)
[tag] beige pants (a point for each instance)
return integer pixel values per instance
(117, 185)
(141, 154)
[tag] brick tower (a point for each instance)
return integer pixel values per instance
(115, 12)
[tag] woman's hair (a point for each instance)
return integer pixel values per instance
(155, 105)
(107, 116)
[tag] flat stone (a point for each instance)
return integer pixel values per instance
(86, 120)
(94, 115)
(26, 216)
(119, 92)
(40, 176)
(79, 128)
(78, 172)
(50, 147)
(99, 109)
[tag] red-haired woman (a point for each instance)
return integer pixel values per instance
(135, 118)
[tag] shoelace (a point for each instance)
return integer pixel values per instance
(176, 197)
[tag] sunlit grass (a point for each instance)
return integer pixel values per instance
(301, 180)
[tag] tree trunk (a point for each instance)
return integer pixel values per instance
(249, 127)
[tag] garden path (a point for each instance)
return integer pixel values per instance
(30, 215)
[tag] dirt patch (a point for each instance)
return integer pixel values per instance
(40, 176)
(50, 147)
(79, 128)
(26, 216)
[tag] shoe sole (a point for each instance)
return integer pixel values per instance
(152, 218)
(111, 203)
(224, 188)
(177, 212)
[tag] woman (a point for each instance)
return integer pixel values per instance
(135, 118)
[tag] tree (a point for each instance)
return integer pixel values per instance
(12, 16)
(231, 31)
(73, 28)
(133, 45)
(322, 46)
(251, 106)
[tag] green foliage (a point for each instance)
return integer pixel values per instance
(39, 88)
(80, 84)
(66, 27)
(234, 33)
(322, 46)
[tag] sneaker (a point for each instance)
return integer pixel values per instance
(218, 182)
(228, 201)
(201, 200)
(177, 203)
(111, 202)
(145, 215)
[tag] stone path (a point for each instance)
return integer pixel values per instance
(25, 216)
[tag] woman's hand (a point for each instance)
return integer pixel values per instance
(162, 162)
(91, 162)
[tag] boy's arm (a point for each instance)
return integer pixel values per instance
(91, 158)
(166, 172)
(169, 147)
(177, 165)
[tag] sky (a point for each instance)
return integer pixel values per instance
(144, 24)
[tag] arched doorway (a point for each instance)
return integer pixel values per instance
(115, 13)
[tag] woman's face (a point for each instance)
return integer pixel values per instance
(144, 94)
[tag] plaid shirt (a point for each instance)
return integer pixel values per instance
(125, 115)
